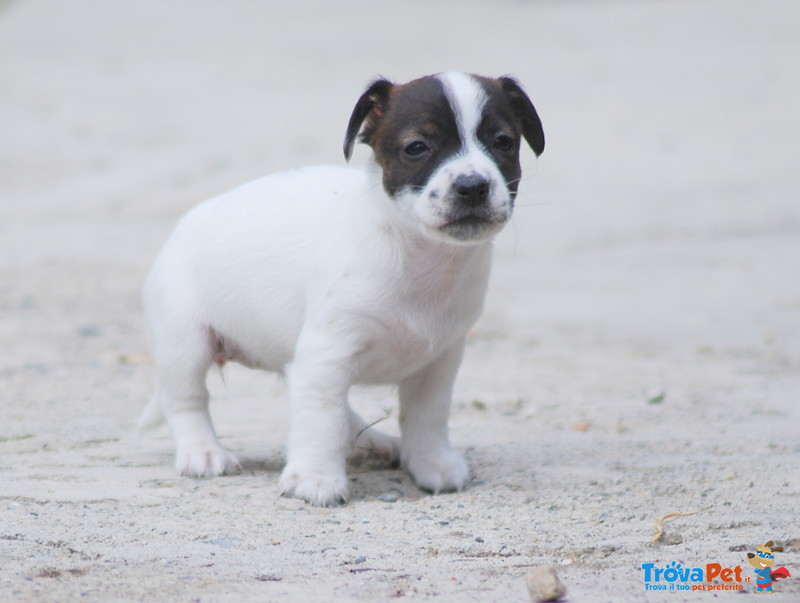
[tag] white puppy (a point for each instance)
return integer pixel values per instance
(335, 276)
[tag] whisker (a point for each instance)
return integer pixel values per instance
(535, 203)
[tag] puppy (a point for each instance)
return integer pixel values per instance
(334, 276)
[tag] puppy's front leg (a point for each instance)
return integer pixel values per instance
(319, 431)
(425, 399)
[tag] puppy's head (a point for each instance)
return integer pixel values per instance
(448, 146)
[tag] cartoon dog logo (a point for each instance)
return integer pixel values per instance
(763, 560)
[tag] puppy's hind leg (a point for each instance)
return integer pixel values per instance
(182, 356)
(363, 435)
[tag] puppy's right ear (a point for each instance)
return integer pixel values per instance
(370, 107)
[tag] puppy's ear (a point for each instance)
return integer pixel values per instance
(526, 112)
(370, 107)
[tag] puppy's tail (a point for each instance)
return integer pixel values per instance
(151, 417)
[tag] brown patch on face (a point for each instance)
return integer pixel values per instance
(415, 135)
(508, 117)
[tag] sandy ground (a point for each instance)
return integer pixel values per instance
(639, 355)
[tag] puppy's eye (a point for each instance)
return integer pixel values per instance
(416, 149)
(504, 143)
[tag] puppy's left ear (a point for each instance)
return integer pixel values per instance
(370, 107)
(525, 112)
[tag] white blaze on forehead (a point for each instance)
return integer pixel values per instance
(467, 99)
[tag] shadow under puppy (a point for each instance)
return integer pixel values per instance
(334, 276)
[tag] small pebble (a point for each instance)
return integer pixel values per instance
(392, 495)
(89, 331)
(544, 584)
(268, 576)
(228, 542)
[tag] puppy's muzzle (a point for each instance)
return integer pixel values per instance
(472, 213)
(471, 190)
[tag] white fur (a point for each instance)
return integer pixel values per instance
(467, 100)
(317, 274)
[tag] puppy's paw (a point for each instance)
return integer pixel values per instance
(321, 489)
(207, 461)
(440, 471)
(385, 447)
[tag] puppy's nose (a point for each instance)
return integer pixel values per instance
(471, 190)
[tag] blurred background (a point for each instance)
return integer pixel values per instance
(672, 136)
